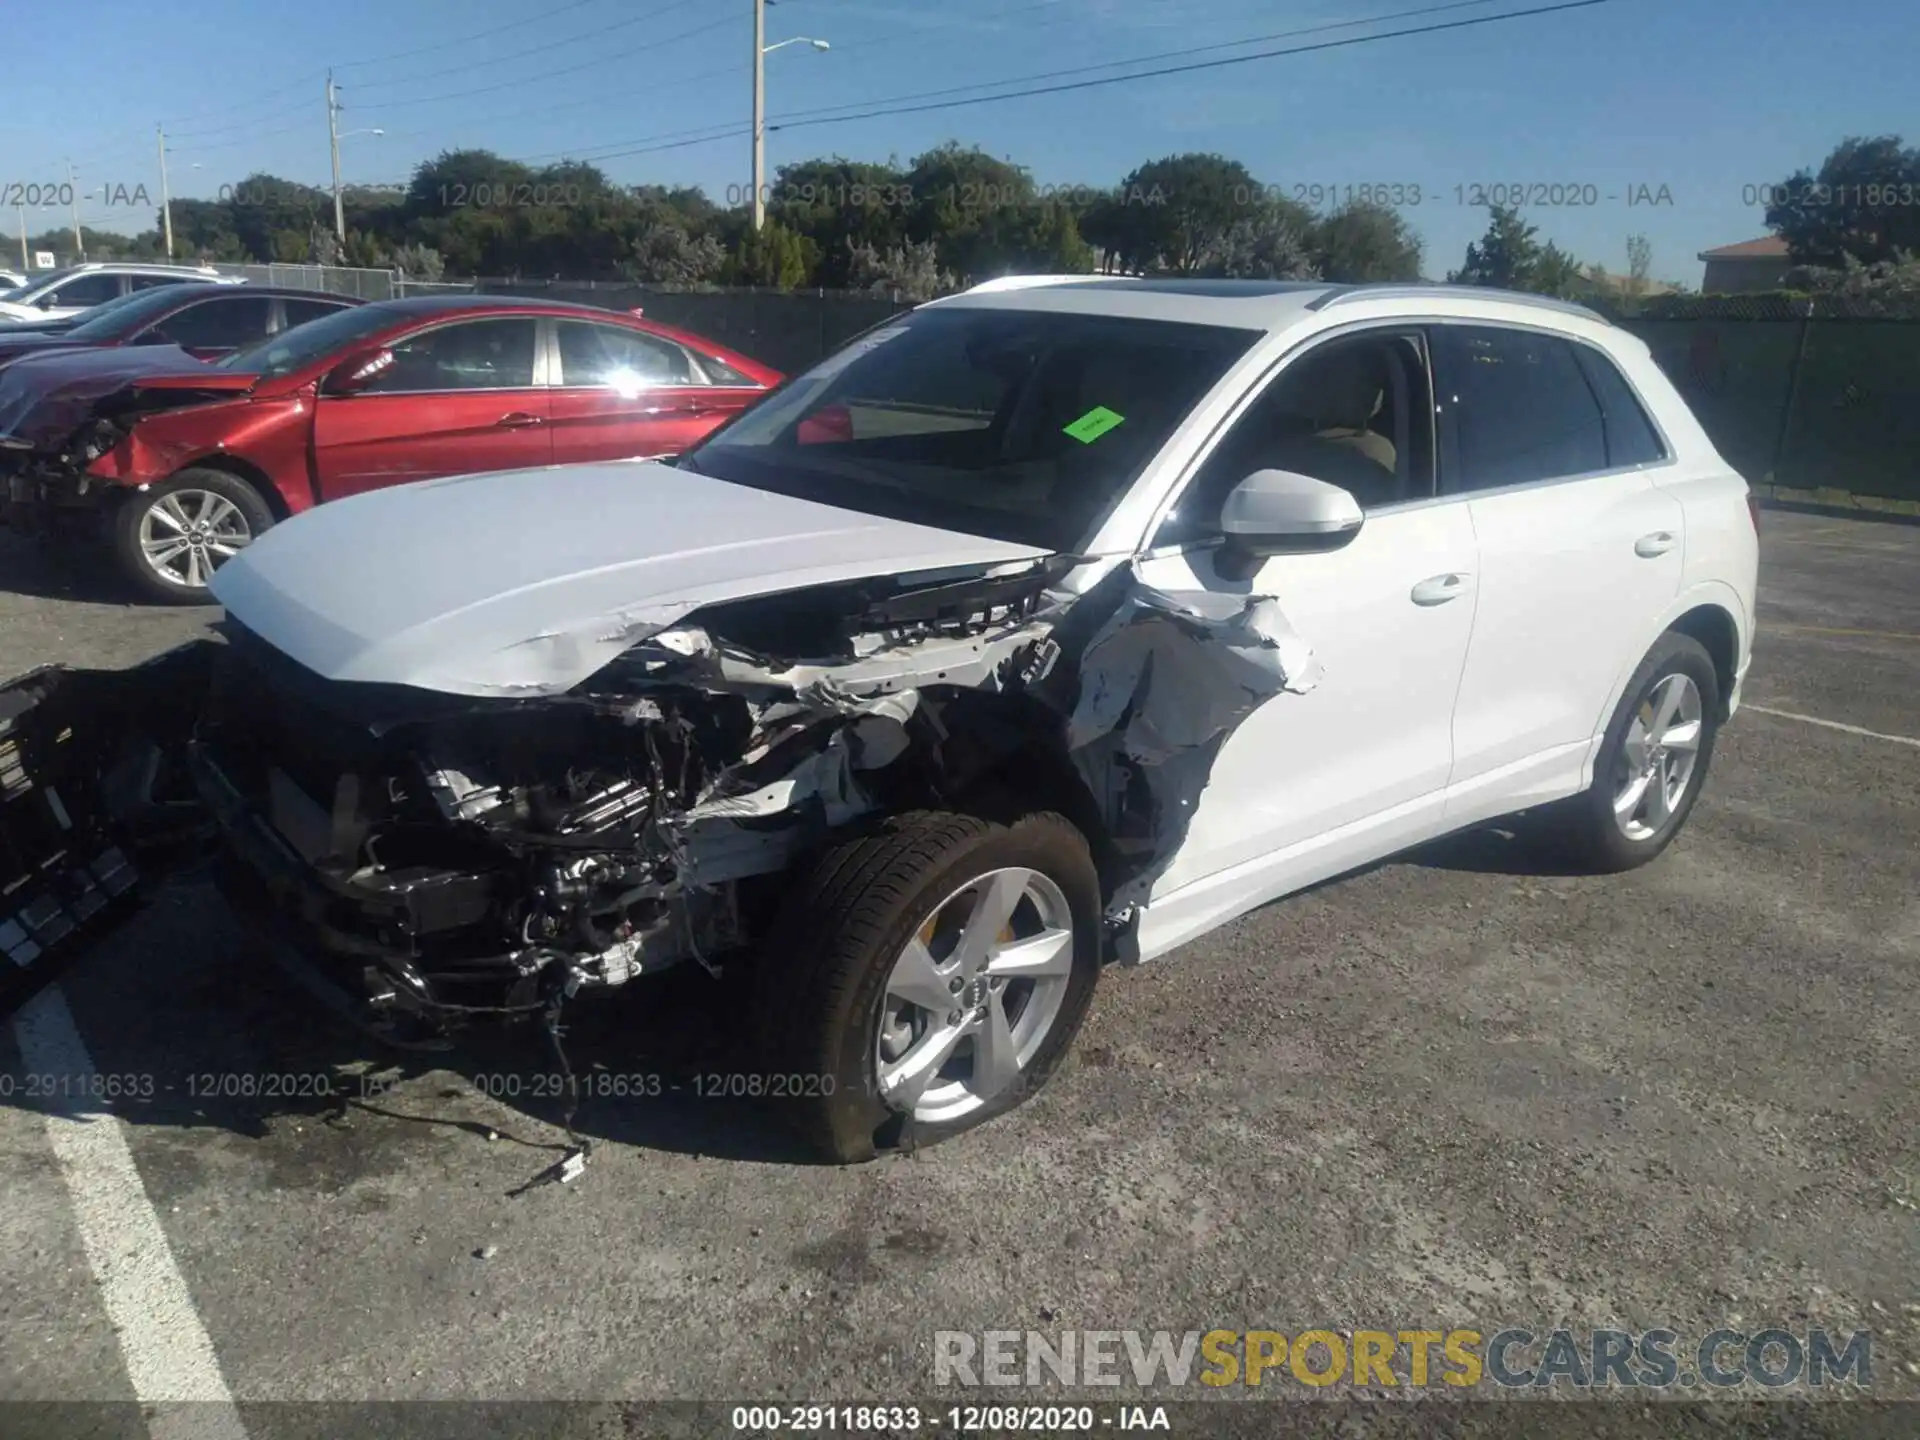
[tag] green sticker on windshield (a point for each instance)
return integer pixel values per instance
(1095, 423)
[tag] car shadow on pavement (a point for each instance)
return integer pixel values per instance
(189, 1027)
(54, 570)
(1515, 846)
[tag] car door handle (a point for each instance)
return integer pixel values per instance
(518, 420)
(1438, 589)
(1658, 543)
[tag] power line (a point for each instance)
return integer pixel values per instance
(813, 116)
(650, 47)
(1193, 67)
(1293, 34)
(468, 39)
(314, 77)
(535, 50)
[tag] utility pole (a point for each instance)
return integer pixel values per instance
(166, 204)
(25, 267)
(73, 189)
(759, 112)
(333, 138)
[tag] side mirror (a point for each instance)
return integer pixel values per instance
(1279, 512)
(46, 302)
(358, 372)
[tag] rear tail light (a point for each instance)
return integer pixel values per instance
(1753, 510)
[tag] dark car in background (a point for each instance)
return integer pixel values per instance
(186, 462)
(207, 321)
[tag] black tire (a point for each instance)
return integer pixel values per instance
(823, 972)
(132, 562)
(1584, 828)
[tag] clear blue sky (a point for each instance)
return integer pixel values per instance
(1700, 96)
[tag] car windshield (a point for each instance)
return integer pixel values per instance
(122, 315)
(1022, 425)
(301, 346)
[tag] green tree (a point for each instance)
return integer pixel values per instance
(1363, 242)
(1510, 257)
(1174, 214)
(1861, 204)
(1505, 257)
(985, 217)
(841, 204)
(774, 258)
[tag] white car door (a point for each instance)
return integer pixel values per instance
(1579, 553)
(1313, 784)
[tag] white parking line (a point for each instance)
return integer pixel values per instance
(1833, 725)
(169, 1359)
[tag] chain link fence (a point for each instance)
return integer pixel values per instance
(1822, 406)
(334, 279)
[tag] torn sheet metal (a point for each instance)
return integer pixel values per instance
(1163, 683)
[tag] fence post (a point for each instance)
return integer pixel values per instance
(1793, 393)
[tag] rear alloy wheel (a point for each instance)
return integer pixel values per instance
(928, 976)
(171, 537)
(1652, 762)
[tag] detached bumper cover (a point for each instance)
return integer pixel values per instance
(81, 809)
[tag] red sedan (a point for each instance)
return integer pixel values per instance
(188, 462)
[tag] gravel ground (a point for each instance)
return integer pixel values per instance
(1454, 1090)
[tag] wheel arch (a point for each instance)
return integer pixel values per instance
(262, 483)
(1005, 755)
(1710, 613)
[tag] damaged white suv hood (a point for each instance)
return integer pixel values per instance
(526, 582)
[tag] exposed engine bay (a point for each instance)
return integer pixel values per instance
(446, 856)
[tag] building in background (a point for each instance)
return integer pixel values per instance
(1751, 265)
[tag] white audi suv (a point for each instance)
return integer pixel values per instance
(1047, 626)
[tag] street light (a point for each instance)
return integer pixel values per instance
(334, 137)
(760, 52)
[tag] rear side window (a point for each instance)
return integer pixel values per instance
(220, 323)
(87, 290)
(299, 312)
(1522, 408)
(1631, 438)
(619, 359)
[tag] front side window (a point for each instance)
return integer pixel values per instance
(87, 290)
(474, 355)
(615, 358)
(1023, 425)
(1356, 412)
(218, 324)
(330, 337)
(1521, 405)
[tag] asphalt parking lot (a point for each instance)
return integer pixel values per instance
(1450, 1091)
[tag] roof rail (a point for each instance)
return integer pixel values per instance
(1453, 292)
(1029, 282)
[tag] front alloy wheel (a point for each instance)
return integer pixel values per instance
(172, 536)
(183, 536)
(927, 975)
(973, 996)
